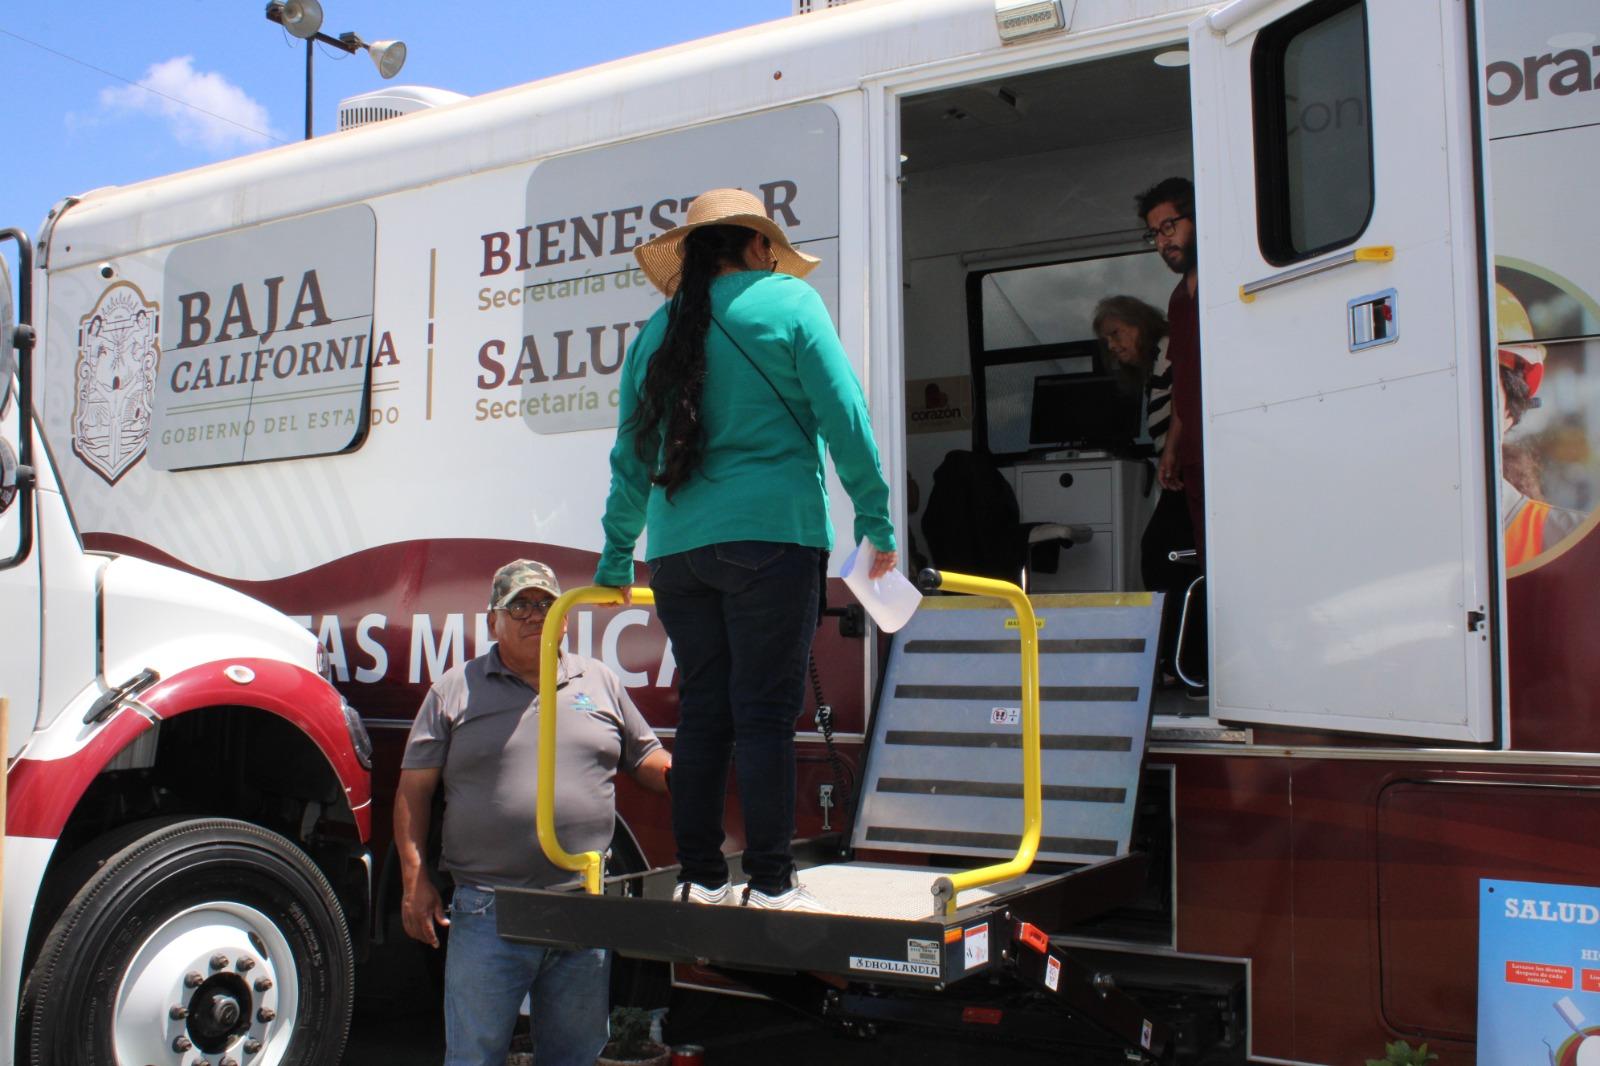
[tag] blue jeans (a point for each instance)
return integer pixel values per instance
(740, 616)
(486, 977)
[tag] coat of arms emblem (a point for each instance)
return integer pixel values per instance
(118, 351)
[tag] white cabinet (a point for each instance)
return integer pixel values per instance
(1107, 495)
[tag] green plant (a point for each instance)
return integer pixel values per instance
(630, 1034)
(1400, 1053)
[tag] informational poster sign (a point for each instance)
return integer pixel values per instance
(1538, 973)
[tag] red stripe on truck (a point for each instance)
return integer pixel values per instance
(43, 793)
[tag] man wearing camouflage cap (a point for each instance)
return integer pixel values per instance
(477, 733)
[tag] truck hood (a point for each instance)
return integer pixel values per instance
(166, 620)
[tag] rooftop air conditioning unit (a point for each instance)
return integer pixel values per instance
(805, 7)
(391, 102)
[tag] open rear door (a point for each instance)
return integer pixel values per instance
(1353, 555)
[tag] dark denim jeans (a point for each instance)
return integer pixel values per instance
(740, 616)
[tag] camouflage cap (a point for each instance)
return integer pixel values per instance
(513, 577)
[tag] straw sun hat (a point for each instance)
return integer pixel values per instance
(661, 257)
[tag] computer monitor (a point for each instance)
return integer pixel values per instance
(1088, 411)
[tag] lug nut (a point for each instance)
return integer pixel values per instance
(193, 979)
(226, 1061)
(252, 1046)
(219, 961)
(202, 1062)
(178, 1012)
(263, 983)
(266, 1014)
(182, 1044)
(246, 964)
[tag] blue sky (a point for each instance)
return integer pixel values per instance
(228, 82)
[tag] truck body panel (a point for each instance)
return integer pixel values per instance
(386, 363)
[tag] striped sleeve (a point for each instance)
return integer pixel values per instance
(1158, 398)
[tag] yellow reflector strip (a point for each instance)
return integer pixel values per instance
(1048, 600)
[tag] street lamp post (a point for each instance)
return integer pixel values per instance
(303, 19)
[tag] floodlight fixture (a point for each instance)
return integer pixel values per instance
(388, 57)
(303, 19)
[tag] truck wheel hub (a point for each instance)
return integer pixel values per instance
(245, 1010)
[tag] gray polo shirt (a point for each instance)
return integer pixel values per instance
(480, 724)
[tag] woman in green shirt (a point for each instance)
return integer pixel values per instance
(727, 398)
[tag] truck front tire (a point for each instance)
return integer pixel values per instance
(193, 940)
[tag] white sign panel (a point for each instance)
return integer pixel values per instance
(266, 339)
(569, 268)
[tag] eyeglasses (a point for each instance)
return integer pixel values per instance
(522, 610)
(1165, 229)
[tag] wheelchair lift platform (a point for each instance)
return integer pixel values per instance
(921, 921)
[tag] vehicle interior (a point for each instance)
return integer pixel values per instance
(1018, 217)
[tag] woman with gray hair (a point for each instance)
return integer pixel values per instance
(1133, 336)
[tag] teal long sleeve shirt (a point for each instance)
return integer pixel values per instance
(763, 476)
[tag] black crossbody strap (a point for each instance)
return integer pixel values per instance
(811, 441)
(810, 438)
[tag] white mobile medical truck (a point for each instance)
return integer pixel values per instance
(188, 797)
(351, 377)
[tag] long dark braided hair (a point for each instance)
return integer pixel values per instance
(669, 401)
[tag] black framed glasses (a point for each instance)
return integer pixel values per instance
(1166, 229)
(522, 610)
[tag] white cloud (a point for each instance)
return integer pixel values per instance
(202, 107)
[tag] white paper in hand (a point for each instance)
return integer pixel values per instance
(891, 600)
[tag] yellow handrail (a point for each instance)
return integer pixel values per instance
(945, 889)
(591, 863)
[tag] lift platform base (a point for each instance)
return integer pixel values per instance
(881, 937)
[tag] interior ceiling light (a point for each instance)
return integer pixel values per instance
(1177, 57)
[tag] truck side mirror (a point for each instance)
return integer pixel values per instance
(8, 360)
(16, 351)
(8, 475)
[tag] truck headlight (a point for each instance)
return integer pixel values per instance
(358, 735)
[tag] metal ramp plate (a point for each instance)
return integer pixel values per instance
(944, 767)
(900, 893)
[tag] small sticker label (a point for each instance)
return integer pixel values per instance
(977, 946)
(915, 969)
(923, 951)
(1146, 1034)
(1052, 972)
(1005, 716)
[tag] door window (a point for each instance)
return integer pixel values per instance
(1313, 131)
